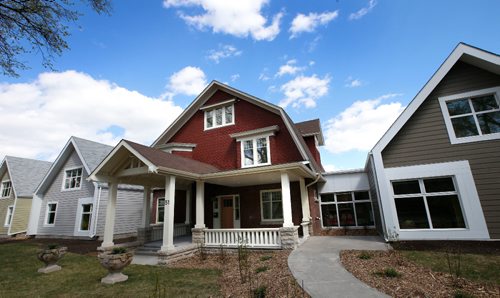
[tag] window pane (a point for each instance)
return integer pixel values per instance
(406, 187)
(248, 152)
(329, 214)
(364, 214)
(361, 195)
(229, 114)
(328, 197)
(344, 197)
(266, 210)
(346, 214)
(262, 150)
(484, 103)
(87, 207)
(161, 210)
(411, 213)
(458, 107)
(51, 219)
(218, 117)
(52, 207)
(489, 122)
(439, 185)
(85, 224)
(277, 210)
(464, 126)
(210, 119)
(445, 212)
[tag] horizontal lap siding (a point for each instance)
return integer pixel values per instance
(67, 201)
(21, 215)
(424, 139)
(4, 203)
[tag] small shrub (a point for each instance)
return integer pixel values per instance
(52, 246)
(261, 269)
(265, 258)
(365, 255)
(118, 250)
(390, 272)
(260, 292)
(460, 294)
(201, 252)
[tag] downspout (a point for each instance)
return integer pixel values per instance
(99, 189)
(318, 176)
(379, 198)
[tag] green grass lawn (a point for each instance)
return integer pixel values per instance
(81, 277)
(483, 268)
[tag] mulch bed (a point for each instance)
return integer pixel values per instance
(471, 247)
(413, 280)
(267, 268)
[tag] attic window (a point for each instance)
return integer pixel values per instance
(6, 188)
(72, 179)
(472, 116)
(218, 115)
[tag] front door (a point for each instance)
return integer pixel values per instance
(227, 221)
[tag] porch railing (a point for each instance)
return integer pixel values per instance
(252, 238)
(156, 231)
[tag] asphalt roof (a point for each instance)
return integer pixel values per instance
(26, 174)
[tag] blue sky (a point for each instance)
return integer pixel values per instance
(353, 64)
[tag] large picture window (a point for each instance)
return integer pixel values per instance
(6, 189)
(428, 203)
(271, 205)
(346, 209)
(72, 179)
(472, 116)
(255, 152)
(219, 116)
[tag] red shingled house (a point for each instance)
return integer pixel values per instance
(247, 169)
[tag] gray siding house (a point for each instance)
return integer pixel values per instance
(67, 205)
(19, 178)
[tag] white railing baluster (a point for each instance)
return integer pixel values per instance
(254, 238)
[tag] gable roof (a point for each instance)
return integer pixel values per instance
(90, 153)
(311, 128)
(462, 52)
(215, 86)
(25, 174)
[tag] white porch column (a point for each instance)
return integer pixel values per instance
(109, 226)
(286, 200)
(146, 207)
(168, 219)
(200, 204)
(188, 207)
(304, 198)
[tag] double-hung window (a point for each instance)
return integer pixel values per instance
(271, 205)
(50, 213)
(86, 217)
(160, 210)
(220, 115)
(255, 152)
(72, 179)
(346, 209)
(8, 217)
(428, 203)
(6, 189)
(472, 116)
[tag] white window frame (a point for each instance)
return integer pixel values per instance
(352, 201)
(254, 148)
(158, 208)
(211, 109)
(9, 215)
(63, 188)
(273, 220)
(495, 91)
(3, 188)
(469, 200)
(425, 195)
(46, 224)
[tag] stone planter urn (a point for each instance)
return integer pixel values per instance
(50, 256)
(114, 261)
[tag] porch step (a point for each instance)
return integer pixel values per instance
(147, 251)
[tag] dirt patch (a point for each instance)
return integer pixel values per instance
(472, 247)
(412, 280)
(267, 269)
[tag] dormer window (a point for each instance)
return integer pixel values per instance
(255, 147)
(218, 115)
(72, 179)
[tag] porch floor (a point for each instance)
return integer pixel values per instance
(148, 253)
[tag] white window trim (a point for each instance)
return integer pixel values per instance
(79, 214)
(336, 203)
(274, 220)
(64, 179)
(2, 188)
(157, 213)
(254, 140)
(212, 109)
(7, 215)
(45, 222)
(467, 193)
(447, 119)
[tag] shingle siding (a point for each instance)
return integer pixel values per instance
(424, 139)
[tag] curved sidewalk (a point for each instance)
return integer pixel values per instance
(316, 265)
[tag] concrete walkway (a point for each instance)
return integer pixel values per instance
(316, 265)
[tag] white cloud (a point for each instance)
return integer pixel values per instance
(235, 77)
(308, 23)
(353, 83)
(189, 81)
(304, 91)
(289, 68)
(240, 18)
(330, 168)
(363, 11)
(224, 51)
(361, 125)
(263, 75)
(39, 117)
